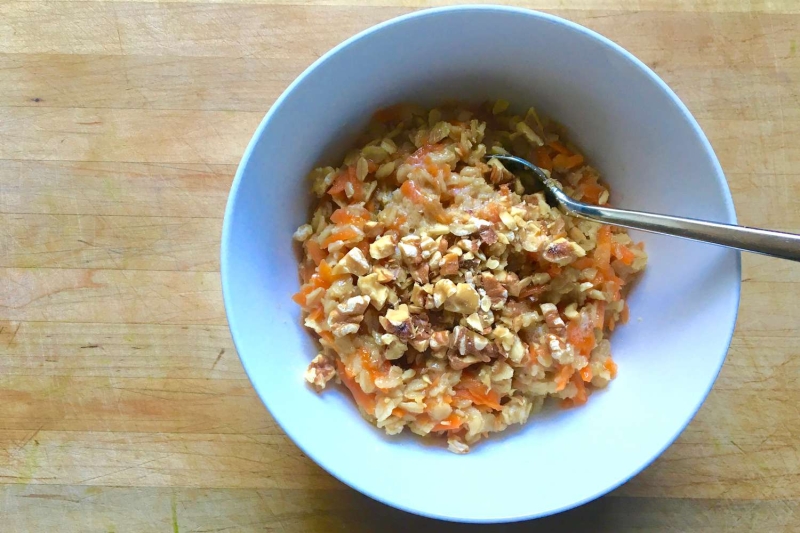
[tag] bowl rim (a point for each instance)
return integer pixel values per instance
(610, 45)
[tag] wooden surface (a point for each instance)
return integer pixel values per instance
(123, 406)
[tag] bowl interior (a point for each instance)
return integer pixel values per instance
(649, 150)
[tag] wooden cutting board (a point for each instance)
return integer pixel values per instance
(123, 406)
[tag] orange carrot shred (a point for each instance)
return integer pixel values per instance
(364, 400)
(543, 159)
(344, 234)
(450, 423)
(563, 377)
(315, 251)
(558, 147)
(623, 253)
(611, 366)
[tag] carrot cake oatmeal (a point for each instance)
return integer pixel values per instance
(443, 297)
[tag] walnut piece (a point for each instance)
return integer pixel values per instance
(449, 264)
(398, 322)
(466, 348)
(494, 290)
(370, 286)
(320, 371)
(464, 301)
(383, 247)
(395, 348)
(353, 262)
(347, 316)
(562, 252)
(442, 290)
(552, 318)
(303, 233)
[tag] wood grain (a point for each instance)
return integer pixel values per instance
(123, 406)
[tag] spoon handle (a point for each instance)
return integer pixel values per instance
(761, 241)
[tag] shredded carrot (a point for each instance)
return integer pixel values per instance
(326, 274)
(432, 206)
(558, 147)
(567, 162)
(344, 234)
(315, 251)
(419, 157)
(369, 365)
(353, 214)
(431, 167)
(324, 277)
(602, 252)
(543, 159)
(364, 400)
(581, 397)
(581, 336)
(471, 389)
(345, 177)
(563, 376)
(599, 314)
(622, 253)
(411, 191)
(398, 412)
(583, 262)
(299, 298)
(450, 423)
(591, 191)
(316, 314)
(554, 270)
(611, 366)
(586, 374)
(490, 211)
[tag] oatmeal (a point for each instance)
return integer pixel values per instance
(443, 297)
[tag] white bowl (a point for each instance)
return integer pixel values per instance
(650, 150)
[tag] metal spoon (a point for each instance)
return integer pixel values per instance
(760, 241)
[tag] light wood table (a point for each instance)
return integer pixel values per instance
(123, 406)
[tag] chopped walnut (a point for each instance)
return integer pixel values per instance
(467, 348)
(562, 252)
(449, 264)
(383, 247)
(457, 445)
(421, 273)
(494, 290)
(320, 371)
(347, 316)
(353, 262)
(410, 252)
(552, 318)
(371, 287)
(464, 300)
(440, 340)
(533, 238)
(395, 348)
(303, 233)
(398, 322)
(385, 275)
(442, 290)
